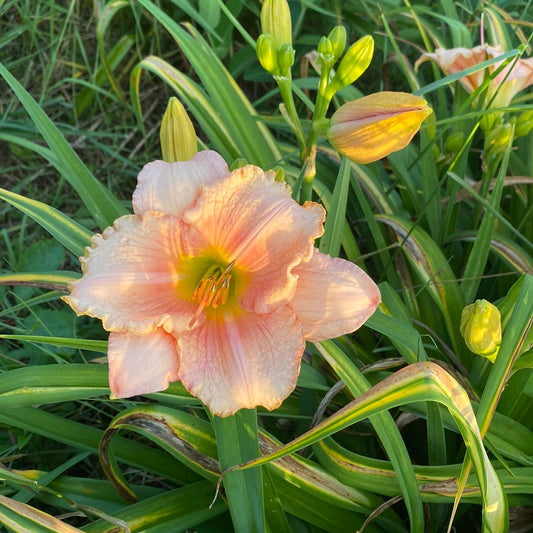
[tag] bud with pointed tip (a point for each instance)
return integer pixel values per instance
(481, 329)
(352, 65)
(524, 124)
(374, 126)
(276, 21)
(337, 38)
(177, 135)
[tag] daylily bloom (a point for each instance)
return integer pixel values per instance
(372, 127)
(215, 281)
(513, 78)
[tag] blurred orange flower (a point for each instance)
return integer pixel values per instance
(513, 78)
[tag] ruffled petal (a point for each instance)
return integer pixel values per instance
(173, 187)
(235, 362)
(333, 297)
(251, 219)
(140, 364)
(130, 276)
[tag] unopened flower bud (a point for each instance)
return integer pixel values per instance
(374, 126)
(276, 21)
(454, 142)
(498, 139)
(524, 124)
(481, 329)
(285, 58)
(177, 135)
(324, 46)
(238, 163)
(337, 37)
(352, 65)
(267, 53)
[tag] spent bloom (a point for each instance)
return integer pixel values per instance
(372, 127)
(481, 329)
(215, 281)
(516, 76)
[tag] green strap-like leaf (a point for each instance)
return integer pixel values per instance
(21, 518)
(237, 439)
(418, 382)
(69, 233)
(102, 205)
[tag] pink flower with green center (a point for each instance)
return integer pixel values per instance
(215, 281)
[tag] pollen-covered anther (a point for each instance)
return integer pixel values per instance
(212, 290)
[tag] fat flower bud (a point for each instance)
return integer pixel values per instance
(498, 139)
(481, 329)
(352, 65)
(374, 126)
(177, 135)
(276, 21)
(454, 142)
(337, 37)
(267, 53)
(524, 124)
(285, 58)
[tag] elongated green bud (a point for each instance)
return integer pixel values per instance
(481, 329)
(276, 21)
(352, 65)
(177, 135)
(337, 38)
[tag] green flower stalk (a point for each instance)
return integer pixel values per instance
(481, 329)
(177, 135)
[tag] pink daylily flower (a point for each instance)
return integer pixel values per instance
(515, 77)
(215, 281)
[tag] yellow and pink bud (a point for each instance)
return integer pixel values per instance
(374, 126)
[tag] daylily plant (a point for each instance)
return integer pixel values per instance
(215, 281)
(513, 78)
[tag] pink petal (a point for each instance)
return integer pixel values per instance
(173, 187)
(234, 362)
(130, 276)
(457, 59)
(140, 364)
(251, 219)
(333, 297)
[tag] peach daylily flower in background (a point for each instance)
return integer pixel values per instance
(513, 78)
(215, 281)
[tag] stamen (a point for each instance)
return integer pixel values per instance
(212, 290)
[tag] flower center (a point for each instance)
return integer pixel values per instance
(212, 290)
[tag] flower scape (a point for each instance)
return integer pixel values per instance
(215, 281)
